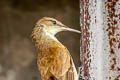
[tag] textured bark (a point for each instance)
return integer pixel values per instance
(100, 39)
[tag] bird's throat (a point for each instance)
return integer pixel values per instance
(43, 37)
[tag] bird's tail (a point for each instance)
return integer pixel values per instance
(71, 74)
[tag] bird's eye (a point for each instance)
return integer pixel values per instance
(54, 22)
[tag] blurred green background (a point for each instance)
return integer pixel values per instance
(17, 19)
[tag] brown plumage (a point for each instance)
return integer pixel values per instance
(54, 60)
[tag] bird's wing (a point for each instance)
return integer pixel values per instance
(61, 60)
(64, 68)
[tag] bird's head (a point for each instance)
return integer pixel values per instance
(53, 26)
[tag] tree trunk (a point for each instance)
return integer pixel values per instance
(100, 39)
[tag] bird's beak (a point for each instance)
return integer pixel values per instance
(70, 29)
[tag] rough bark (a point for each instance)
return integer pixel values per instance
(100, 39)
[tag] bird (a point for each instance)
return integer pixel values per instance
(53, 60)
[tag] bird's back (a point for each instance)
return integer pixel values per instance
(55, 62)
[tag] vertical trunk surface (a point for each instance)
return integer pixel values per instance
(100, 39)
